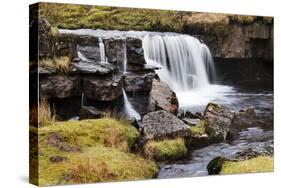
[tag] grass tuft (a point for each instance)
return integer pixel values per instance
(45, 114)
(165, 149)
(258, 164)
(61, 64)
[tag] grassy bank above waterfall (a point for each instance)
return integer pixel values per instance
(89, 151)
(71, 16)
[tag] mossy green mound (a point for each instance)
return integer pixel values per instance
(258, 164)
(89, 151)
(199, 129)
(165, 149)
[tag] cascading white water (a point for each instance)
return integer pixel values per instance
(130, 111)
(103, 58)
(184, 60)
(186, 65)
(125, 58)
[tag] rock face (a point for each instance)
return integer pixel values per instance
(88, 46)
(139, 82)
(219, 119)
(162, 97)
(135, 51)
(162, 124)
(60, 86)
(92, 68)
(103, 88)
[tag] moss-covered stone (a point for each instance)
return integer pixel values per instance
(258, 164)
(89, 151)
(169, 149)
(199, 129)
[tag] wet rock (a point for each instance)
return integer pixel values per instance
(105, 88)
(114, 48)
(246, 116)
(139, 82)
(162, 124)
(219, 120)
(190, 121)
(215, 165)
(162, 97)
(88, 46)
(92, 68)
(199, 141)
(265, 150)
(90, 112)
(135, 51)
(60, 86)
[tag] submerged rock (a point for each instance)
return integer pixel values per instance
(162, 124)
(162, 97)
(246, 116)
(219, 120)
(60, 86)
(103, 88)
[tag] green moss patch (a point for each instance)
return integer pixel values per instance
(165, 149)
(199, 129)
(258, 164)
(89, 151)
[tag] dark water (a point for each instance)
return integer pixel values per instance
(253, 135)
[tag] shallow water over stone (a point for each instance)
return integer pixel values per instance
(256, 135)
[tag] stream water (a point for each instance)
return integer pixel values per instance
(188, 68)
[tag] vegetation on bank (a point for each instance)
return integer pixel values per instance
(89, 151)
(60, 64)
(70, 16)
(168, 149)
(254, 165)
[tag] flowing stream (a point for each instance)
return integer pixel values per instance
(187, 67)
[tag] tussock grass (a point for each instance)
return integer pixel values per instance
(61, 64)
(44, 113)
(258, 164)
(165, 149)
(93, 151)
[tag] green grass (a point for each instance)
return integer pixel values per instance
(165, 149)
(258, 164)
(89, 151)
(61, 64)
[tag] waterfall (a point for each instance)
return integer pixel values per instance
(184, 59)
(125, 58)
(130, 111)
(103, 57)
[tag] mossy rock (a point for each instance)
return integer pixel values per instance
(88, 151)
(169, 149)
(254, 165)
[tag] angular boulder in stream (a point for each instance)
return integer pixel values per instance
(219, 120)
(103, 88)
(162, 124)
(162, 97)
(139, 82)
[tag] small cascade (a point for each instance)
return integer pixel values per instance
(82, 99)
(130, 111)
(103, 57)
(184, 59)
(125, 58)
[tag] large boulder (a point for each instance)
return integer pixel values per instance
(139, 82)
(162, 97)
(219, 120)
(162, 124)
(60, 86)
(103, 88)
